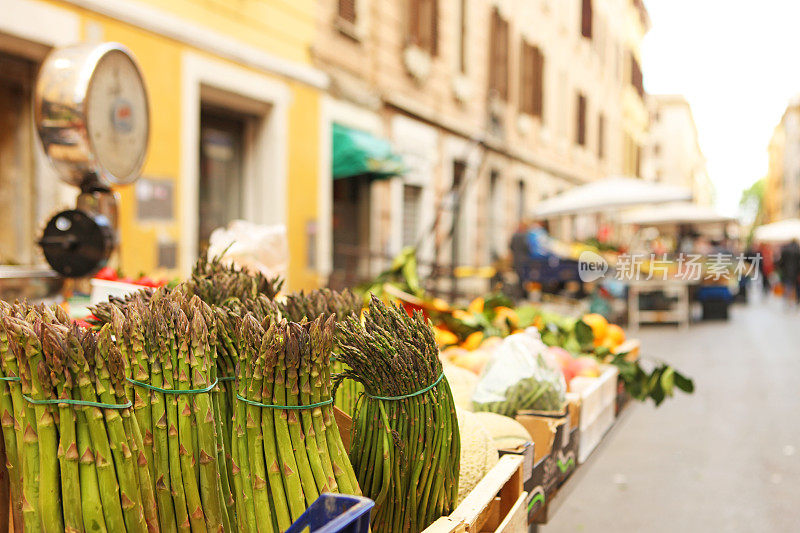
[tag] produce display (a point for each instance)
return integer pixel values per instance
(406, 443)
(210, 405)
(469, 337)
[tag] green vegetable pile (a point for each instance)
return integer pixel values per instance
(406, 445)
(528, 394)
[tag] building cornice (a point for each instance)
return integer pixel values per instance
(203, 38)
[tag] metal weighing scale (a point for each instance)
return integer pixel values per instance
(91, 113)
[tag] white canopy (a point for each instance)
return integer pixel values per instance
(609, 194)
(674, 213)
(778, 232)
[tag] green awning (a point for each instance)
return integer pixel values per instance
(358, 153)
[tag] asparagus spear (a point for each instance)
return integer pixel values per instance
(294, 488)
(106, 475)
(269, 348)
(169, 371)
(107, 360)
(35, 373)
(158, 411)
(12, 433)
(255, 438)
(246, 518)
(207, 440)
(55, 349)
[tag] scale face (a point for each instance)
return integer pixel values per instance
(92, 114)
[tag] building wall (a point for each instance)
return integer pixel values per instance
(254, 54)
(773, 192)
(373, 68)
(790, 186)
(672, 153)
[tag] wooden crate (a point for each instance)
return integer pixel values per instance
(497, 503)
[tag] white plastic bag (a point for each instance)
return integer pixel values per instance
(257, 247)
(517, 378)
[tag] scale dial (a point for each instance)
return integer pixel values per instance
(92, 114)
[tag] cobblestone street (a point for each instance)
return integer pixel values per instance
(724, 459)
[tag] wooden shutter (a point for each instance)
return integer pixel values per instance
(462, 38)
(423, 25)
(498, 68)
(601, 136)
(636, 76)
(580, 131)
(526, 78)
(347, 10)
(586, 18)
(538, 82)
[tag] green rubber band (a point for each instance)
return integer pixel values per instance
(227, 378)
(290, 407)
(173, 391)
(70, 401)
(10, 378)
(411, 395)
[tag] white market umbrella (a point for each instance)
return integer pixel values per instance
(608, 194)
(778, 232)
(674, 213)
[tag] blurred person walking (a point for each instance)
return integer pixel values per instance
(789, 268)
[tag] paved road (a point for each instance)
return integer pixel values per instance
(724, 459)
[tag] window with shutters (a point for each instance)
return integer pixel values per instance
(531, 74)
(580, 126)
(347, 11)
(498, 56)
(412, 211)
(601, 136)
(586, 18)
(423, 25)
(636, 75)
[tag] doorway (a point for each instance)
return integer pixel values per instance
(351, 221)
(19, 202)
(222, 170)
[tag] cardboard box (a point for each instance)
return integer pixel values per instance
(543, 428)
(567, 456)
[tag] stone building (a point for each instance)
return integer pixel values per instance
(673, 155)
(507, 101)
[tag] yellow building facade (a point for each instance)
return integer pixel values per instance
(235, 129)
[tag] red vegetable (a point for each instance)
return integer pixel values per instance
(107, 273)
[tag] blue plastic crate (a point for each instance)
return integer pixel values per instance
(335, 513)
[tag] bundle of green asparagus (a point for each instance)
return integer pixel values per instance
(75, 453)
(326, 302)
(287, 449)
(171, 342)
(216, 282)
(406, 445)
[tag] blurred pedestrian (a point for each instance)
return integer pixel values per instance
(789, 266)
(521, 257)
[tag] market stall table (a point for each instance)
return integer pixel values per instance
(678, 312)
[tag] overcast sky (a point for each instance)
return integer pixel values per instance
(735, 62)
